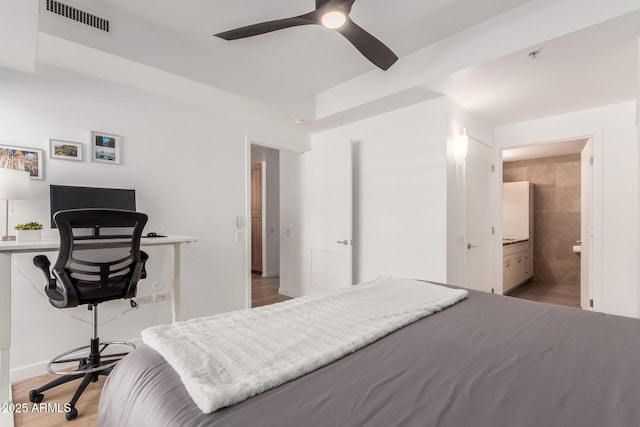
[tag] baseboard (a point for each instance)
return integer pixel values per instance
(272, 274)
(28, 371)
(40, 368)
(289, 293)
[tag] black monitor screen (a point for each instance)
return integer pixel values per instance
(65, 197)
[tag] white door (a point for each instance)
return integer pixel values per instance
(328, 216)
(478, 214)
(586, 223)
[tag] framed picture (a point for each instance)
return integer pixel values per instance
(106, 147)
(65, 150)
(24, 159)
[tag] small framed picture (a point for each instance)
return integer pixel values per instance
(65, 150)
(106, 147)
(24, 159)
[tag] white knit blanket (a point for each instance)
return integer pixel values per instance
(227, 358)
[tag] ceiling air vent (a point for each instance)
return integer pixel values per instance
(77, 15)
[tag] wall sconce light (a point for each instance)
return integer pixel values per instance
(460, 147)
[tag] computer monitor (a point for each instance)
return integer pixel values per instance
(63, 197)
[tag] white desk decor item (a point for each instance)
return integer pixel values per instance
(65, 150)
(106, 147)
(22, 158)
(29, 232)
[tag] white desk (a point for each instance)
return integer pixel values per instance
(8, 248)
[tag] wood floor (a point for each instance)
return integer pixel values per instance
(87, 406)
(264, 291)
(559, 294)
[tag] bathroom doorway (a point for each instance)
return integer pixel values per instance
(560, 174)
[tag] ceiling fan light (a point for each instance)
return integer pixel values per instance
(333, 19)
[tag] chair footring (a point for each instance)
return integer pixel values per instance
(92, 362)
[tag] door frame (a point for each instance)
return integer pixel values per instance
(594, 287)
(242, 223)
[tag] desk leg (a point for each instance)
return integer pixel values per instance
(175, 284)
(6, 419)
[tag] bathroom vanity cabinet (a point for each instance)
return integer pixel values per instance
(517, 264)
(517, 233)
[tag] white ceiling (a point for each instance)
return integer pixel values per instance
(539, 151)
(307, 59)
(287, 69)
(586, 69)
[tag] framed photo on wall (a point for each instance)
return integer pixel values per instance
(106, 147)
(65, 150)
(24, 159)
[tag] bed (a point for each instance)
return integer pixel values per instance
(486, 361)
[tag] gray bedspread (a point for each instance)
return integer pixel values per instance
(488, 361)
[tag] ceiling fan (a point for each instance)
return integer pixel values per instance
(332, 14)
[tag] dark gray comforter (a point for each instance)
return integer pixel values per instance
(488, 361)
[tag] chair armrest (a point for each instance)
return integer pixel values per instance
(43, 263)
(143, 257)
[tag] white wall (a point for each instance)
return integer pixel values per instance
(187, 164)
(616, 134)
(400, 191)
(270, 160)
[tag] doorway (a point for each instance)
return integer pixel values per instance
(265, 226)
(559, 176)
(273, 226)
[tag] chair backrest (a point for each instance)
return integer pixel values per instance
(99, 258)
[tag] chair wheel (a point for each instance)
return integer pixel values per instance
(72, 414)
(35, 397)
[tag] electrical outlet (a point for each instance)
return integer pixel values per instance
(161, 296)
(143, 299)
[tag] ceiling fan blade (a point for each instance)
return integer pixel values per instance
(372, 48)
(335, 3)
(269, 26)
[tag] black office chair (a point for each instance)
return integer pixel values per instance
(99, 260)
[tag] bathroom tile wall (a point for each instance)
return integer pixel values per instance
(556, 217)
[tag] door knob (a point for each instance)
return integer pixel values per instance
(343, 242)
(469, 246)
